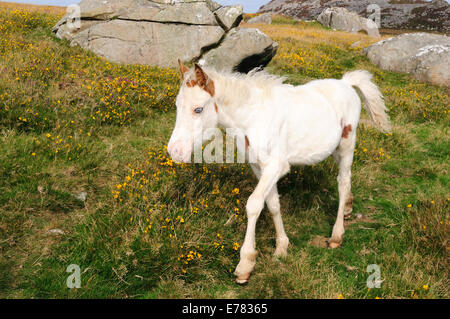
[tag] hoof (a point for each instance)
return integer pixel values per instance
(280, 252)
(244, 269)
(282, 246)
(334, 243)
(243, 279)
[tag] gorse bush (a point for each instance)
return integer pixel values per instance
(44, 84)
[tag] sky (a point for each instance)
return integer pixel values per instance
(250, 6)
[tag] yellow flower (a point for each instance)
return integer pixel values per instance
(33, 154)
(425, 287)
(340, 296)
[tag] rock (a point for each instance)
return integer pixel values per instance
(81, 196)
(405, 14)
(265, 18)
(197, 13)
(229, 17)
(425, 55)
(242, 50)
(342, 19)
(41, 190)
(156, 32)
(55, 231)
(213, 6)
(149, 43)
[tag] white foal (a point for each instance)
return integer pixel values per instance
(284, 125)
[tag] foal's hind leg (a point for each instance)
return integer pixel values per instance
(273, 204)
(344, 158)
(348, 208)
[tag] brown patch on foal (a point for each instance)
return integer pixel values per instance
(201, 78)
(247, 143)
(346, 130)
(183, 69)
(191, 83)
(216, 108)
(210, 88)
(204, 81)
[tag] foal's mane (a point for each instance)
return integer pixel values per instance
(236, 88)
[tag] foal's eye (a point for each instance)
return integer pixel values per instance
(198, 110)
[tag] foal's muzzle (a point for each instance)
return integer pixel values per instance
(179, 152)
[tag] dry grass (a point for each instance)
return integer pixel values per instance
(56, 10)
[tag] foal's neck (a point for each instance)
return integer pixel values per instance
(232, 97)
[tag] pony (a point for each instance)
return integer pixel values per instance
(284, 125)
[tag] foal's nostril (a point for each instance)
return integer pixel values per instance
(178, 151)
(174, 150)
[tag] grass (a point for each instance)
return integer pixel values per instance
(72, 123)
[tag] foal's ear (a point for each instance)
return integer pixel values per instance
(200, 76)
(183, 69)
(203, 80)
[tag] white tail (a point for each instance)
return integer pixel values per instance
(373, 99)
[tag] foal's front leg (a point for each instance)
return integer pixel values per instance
(273, 204)
(269, 177)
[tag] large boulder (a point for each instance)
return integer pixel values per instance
(265, 18)
(395, 14)
(425, 55)
(243, 48)
(158, 32)
(342, 19)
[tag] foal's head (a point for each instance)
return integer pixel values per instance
(196, 112)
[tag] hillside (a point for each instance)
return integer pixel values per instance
(85, 179)
(418, 14)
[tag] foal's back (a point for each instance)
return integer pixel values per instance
(314, 115)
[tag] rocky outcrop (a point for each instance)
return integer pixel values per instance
(425, 55)
(235, 47)
(405, 14)
(342, 19)
(158, 32)
(265, 18)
